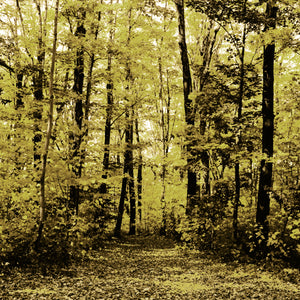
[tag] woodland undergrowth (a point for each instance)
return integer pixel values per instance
(151, 267)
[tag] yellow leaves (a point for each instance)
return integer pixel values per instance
(295, 234)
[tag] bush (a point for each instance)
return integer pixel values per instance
(200, 229)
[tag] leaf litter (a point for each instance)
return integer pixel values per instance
(148, 268)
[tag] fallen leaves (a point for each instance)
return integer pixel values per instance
(144, 268)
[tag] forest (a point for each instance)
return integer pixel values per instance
(125, 118)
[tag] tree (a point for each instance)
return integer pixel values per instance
(76, 135)
(49, 131)
(128, 176)
(265, 182)
(189, 109)
(110, 100)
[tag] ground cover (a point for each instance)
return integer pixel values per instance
(149, 268)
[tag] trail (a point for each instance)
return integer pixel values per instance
(148, 268)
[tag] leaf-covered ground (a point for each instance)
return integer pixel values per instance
(149, 268)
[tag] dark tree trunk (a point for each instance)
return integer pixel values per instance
(139, 175)
(128, 155)
(140, 187)
(89, 80)
(109, 107)
(132, 224)
(77, 135)
(240, 106)
(206, 53)
(107, 134)
(38, 106)
(19, 97)
(128, 178)
(236, 200)
(265, 182)
(48, 135)
(189, 109)
(117, 232)
(165, 153)
(107, 130)
(204, 156)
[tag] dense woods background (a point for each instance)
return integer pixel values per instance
(179, 118)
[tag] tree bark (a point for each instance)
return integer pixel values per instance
(206, 53)
(189, 109)
(38, 91)
(265, 182)
(48, 135)
(128, 178)
(128, 175)
(77, 134)
(132, 224)
(240, 107)
(139, 175)
(109, 108)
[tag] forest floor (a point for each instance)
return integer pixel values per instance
(150, 268)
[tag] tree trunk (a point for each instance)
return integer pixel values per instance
(128, 178)
(265, 182)
(77, 134)
(89, 82)
(109, 107)
(128, 155)
(240, 106)
(189, 109)
(206, 53)
(204, 156)
(38, 92)
(139, 175)
(19, 97)
(132, 224)
(48, 135)
(110, 103)
(117, 232)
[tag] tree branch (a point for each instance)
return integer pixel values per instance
(6, 66)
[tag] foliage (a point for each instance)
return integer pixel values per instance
(142, 36)
(201, 229)
(150, 267)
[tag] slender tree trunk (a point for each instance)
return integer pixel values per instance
(206, 53)
(19, 97)
(165, 101)
(128, 176)
(265, 182)
(109, 107)
(204, 156)
(240, 106)
(110, 103)
(189, 109)
(139, 175)
(117, 232)
(89, 82)
(132, 224)
(48, 135)
(38, 91)
(77, 134)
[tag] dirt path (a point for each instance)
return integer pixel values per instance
(143, 268)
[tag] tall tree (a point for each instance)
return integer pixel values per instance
(49, 131)
(109, 99)
(76, 137)
(189, 108)
(265, 181)
(38, 82)
(128, 175)
(240, 107)
(139, 174)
